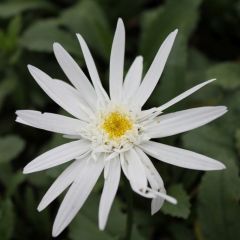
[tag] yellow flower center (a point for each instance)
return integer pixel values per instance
(116, 124)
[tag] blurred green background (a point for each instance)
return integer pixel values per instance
(207, 46)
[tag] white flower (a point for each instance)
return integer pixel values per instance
(111, 133)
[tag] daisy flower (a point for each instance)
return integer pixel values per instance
(112, 132)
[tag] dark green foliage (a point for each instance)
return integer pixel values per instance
(207, 46)
(182, 208)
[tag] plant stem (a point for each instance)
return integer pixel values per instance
(129, 198)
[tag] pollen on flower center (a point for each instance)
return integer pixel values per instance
(116, 124)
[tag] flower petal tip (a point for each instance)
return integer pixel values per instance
(79, 36)
(54, 234)
(32, 69)
(153, 212)
(120, 21)
(101, 227)
(81, 40)
(55, 230)
(139, 58)
(221, 166)
(56, 45)
(211, 80)
(29, 66)
(26, 171)
(40, 207)
(175, 31)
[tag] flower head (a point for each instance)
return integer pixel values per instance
(112, 132)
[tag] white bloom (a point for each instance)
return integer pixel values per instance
(112, 132)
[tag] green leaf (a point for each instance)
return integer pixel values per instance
(6, 87)
(219, 193)
(227, 75)
(238, 140)
(14, 27)
(211, 141)
(218, 208)
(198, 64)
(14, 182)
(41, 35)
(156, 25)
(88, 19)
(39, 222)
(180, 231)
(6, 219)
(10, 147)
(182, 208)
(10, 9)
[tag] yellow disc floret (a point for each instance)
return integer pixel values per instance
(116, 124)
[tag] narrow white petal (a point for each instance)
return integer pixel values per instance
(136, 173)
(111, 156)
(133, 79)
(63, 94)
(145, 115)
(183, 95)
(154, 72)
(77, 195)
(166, 197)
(124, 164)
(154, 179)
(153, 176)
(57, 156)
(75, 74)
(62, 182)
(109, 191)
(182, 121)
(50, 122)
(180, 157)
(19, 120)
(117, 62)
(101, 93)
(138, 180)
(106, 169)
(157, 203)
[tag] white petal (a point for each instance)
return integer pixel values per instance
(109, 191)
(111, 156)
(136, 173)
(63, 94)
(153, 176)
(19, 120)
(133, 79)
(101, 93)
(154, 72)
(182, 121)
(57, 156)
(154, 179)
(124, 164)
(75, 74)
(117, 62)
(137, 177)
(77, 195)
(157, 202)
(50, 122)
(62, 182)
(183, 95)
(180, 157)
(165, 196)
